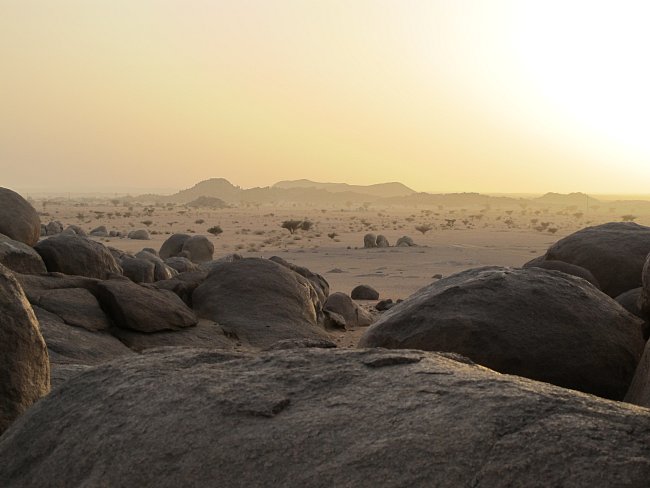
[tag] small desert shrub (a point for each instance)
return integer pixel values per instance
(215, 230)
(424, 228)
(199, 221)
(291, 225)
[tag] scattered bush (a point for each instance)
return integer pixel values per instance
(215, 230)
(291, 225)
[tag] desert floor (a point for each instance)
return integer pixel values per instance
(333, 246)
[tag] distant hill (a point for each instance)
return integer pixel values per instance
(570, 199)
(214, 187)
(219, 191)
(452, 199)
(301, 191)
(383, 190)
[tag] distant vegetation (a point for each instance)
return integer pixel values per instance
(293, 225)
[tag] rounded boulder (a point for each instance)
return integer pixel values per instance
(18, 219)
(614, 253)
(540, 324)
(76, 255)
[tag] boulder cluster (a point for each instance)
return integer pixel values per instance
(172, 368)
(371, 241)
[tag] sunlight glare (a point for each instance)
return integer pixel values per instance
(589, 59)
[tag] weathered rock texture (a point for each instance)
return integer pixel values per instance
(320, 418)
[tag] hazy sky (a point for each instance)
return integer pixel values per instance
(491, 96)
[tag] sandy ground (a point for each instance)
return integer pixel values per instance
(333, 246)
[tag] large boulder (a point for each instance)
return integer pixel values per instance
(24, 364)
(53, 228)
(20, 257)
(405, 241)
(18, 219)
(173, 246)
(369, 241)
(139, 235)
(567, 268)
(77, 307)
(382, 241)
(364, 292)
(73, 349)
(74, 230)
(541, 324)
(199, 249)
(100, 231)
(353, 315)
(135, 307)
(138, 270)
(320, 418)
(78, 255)
(614, 253)
(259, 301)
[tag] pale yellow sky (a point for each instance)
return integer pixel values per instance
(458, 95)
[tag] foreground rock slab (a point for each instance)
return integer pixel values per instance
(320, 418)
(541, 324)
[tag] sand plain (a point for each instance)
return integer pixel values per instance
(333, 247)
